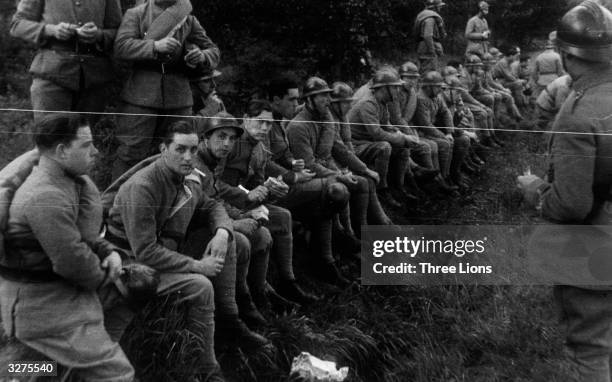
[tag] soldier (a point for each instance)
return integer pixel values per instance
(429, 31)
(551, 99)
(312, 200)
(54, 261)
(475, 82)
(341, 99)
(506, 95)
(502, 72)
(155, 218)
(72, 67)
(547, 66)
(219, 137)
(205, 101)
(380, 144)
(477, 32)
(578, 182)
(155, 36)
(435, 122)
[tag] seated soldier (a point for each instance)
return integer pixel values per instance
(502, 72)
(341, 99)
(435, 122)
(221, 133)
(54, 262)
(380, 145)
(488, 62)
(155, 218)
(312, 201)
(475, 83)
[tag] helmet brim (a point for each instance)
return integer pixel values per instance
(396, 83)
(214, 74)
(315, 92)
(345, 99)
(601, 53)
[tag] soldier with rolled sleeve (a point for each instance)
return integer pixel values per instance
(163, 42)
(72, 67)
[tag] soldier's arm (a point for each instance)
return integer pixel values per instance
(342, 154)
(53, 222)
(423, 118)
(370, 119)
(128, 43)
(112, 20)
(198, 35)
(470, 32)
(301, 148)
(27, 22)
(569, 197)
(445, 116)
(428, 32)
(137, 207)
(212, 213)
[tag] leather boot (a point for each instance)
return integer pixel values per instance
(215, 375)
(249, 313)
(386, 197)
(423, 173)
(290, 290)
(278, 303)
(330, 273)
(231, 331)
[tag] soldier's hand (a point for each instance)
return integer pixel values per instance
(219, 244)
(61, 31)
(167, 45)
(278, 191)
(194, 57)
(347, 179)
(304, 176)
(211, 265)
(246, 226)
(374, 175)
(112, 264)
(297, 165)
(258, 195)
(411, 139)
(450, 137)
(261, 214)
(88, 33)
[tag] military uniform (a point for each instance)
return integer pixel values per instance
(547, 67)
(68, 75)
(502, 72)
(429, 29)
(474, 30)
(551, 99)
(51, 273)
(157, 85)
(150, 218)
(375, 144)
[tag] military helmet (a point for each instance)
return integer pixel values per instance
(455, 84)
(221, 120)
(586, 32)
(450, 71)
(494, 52)
(205, 75)
(432, 79)
(473, 60)
(341, 92)
(314, 86)
(386, 77)
(434, 3)
(483, 5)
(409, 69)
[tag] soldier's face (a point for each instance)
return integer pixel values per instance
(259, 126)
(320, 102)
(221, 142)
(288, 104)
(180, 153)
(207, 87)
(345, 106)
(80, 155)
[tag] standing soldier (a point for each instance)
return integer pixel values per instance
(477, 32)
(579, 181)
(429, 31)
(162, 40)
(547, 66)
(72, 67)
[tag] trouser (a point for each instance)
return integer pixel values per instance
(139, 129)
(399, 167)
(482, 120)
(587, 315)
(445, 154)
(461, 148)
(517, 92)
(359, 204)
(48, 96)
(280, 227)
(377, 156)
(376, 213)
(433, 149)
(66, 324)
(261, 245)
(421, 154)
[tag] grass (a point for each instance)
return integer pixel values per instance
(455, 333)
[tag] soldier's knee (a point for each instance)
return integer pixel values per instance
(383, 149)
(336, 196)
(362, 184)
(243, 248)
(200, 290)
(262, 240)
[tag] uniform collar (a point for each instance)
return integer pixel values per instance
(54, 169)
(168, 174)
(591, 79)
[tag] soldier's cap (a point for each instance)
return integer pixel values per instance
(434, 3)
(450, 71)
(455, 84)
(342, 92)
(221, 120)
(205, 76)
(386, 76)
(432, 78)
(314, 86)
